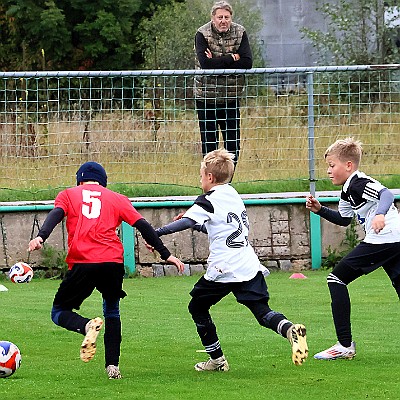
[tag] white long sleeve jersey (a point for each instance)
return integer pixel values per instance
(231, 258)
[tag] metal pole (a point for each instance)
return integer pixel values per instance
(315, 223)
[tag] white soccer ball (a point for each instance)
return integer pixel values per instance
(21, 272)
(10, 359)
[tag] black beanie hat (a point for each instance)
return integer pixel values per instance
(91, 171)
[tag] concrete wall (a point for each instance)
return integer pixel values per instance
(278, 233)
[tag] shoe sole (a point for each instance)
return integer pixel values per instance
(299, 344)
(88, 347)
(335, 358)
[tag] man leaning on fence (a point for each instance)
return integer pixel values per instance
(220, 44)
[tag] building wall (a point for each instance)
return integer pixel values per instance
(281, 39)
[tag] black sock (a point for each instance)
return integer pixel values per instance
(341, 312)
(73, 321)
(277, 322)
(209, 338)
(112, 340)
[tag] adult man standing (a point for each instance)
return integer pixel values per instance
(220, 44)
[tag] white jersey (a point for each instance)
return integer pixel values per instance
(231, 258)
(360, 196)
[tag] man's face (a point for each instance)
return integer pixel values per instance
(222, 20)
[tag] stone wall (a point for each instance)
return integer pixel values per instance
(279, 234)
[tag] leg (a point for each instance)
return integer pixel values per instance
(112, 337)
(73, 290)
(109, 284)
(396, 285)
(230, 128)
(209, 132)
(337, 281)
(204, 295)
(254, 295)
(77, 285)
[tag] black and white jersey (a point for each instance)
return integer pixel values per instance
(231, 258)
(360, 197)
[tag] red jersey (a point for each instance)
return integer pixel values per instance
(93, 213)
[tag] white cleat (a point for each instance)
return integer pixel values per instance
(113, 372)
(219, 364)
(337, 351)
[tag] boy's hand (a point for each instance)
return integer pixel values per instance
(35, 244)
(378, 223)
(149, 247)
(179, 264)
(312, 204)
(179, 216)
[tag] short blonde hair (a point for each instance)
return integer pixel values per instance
(347, 149)
(220, 164)
(221, 5)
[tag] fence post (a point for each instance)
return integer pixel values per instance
(315, 223)
(128, 241)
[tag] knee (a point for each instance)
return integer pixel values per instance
(333, 280)
(55, 314)
(193, 308)
(200, 316)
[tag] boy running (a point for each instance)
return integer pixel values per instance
(372, 203)
(232, 264)
(95, 258)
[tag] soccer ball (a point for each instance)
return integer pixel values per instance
(10, 358)
(21, 273)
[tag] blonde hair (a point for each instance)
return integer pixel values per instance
(347, 149)
(221, 5)
(220, 164)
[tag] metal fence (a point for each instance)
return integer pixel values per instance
(142, 125)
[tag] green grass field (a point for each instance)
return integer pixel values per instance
(160, 343)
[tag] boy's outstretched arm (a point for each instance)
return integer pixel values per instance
(54, 217)
(330, 215)
(176, 226)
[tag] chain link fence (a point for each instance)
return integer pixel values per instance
(142, 125)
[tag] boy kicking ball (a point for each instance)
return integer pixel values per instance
(372, 203)
(95, 259)
(232, 264)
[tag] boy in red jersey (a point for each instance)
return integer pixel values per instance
(95, 258)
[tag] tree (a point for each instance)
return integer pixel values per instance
(167, 37)
(71, 34)
(356, 34)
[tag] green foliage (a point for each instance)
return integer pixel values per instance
(167, 36)
(61, 34)
(356, 34)
(350, 241)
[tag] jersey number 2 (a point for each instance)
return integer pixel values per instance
(92, 204)
(231, 239)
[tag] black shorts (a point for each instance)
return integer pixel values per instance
(210, 292)
(367, 257)
(82, 279)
